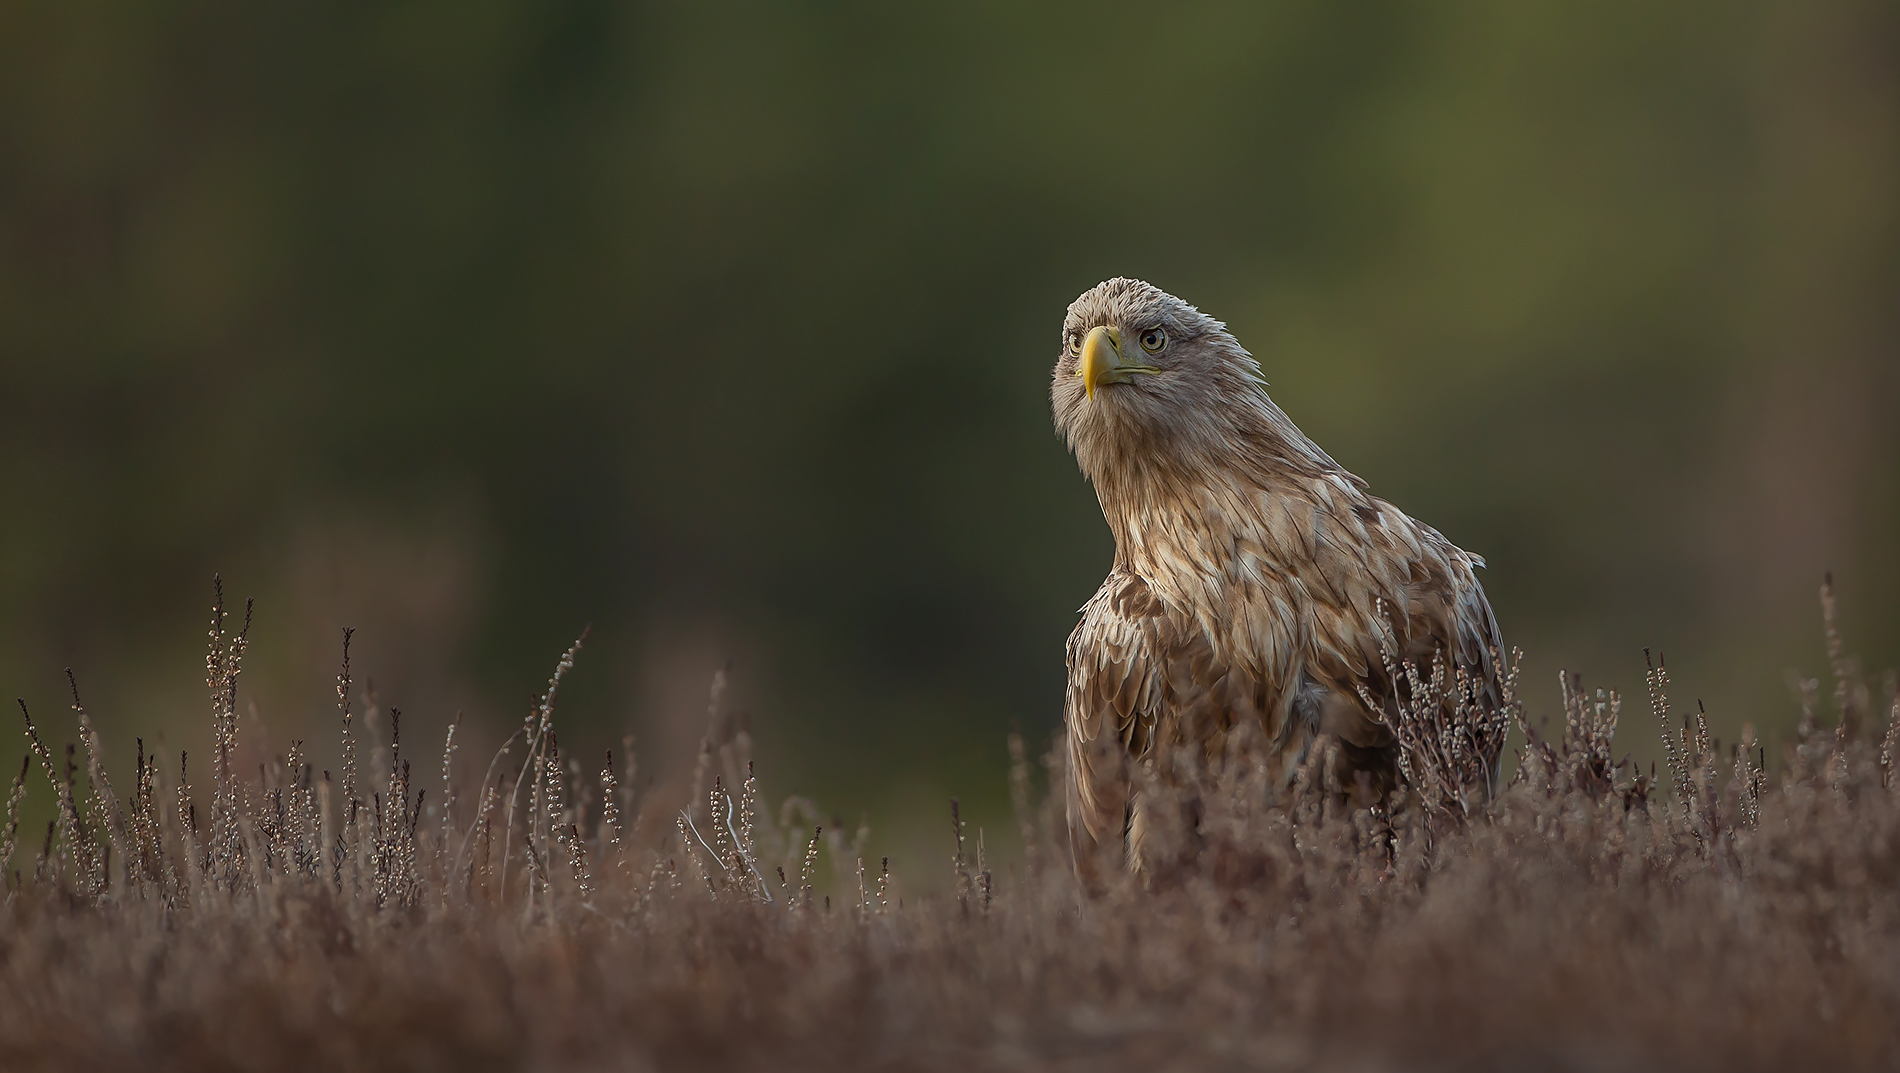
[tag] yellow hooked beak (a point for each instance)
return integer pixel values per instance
(1102, 363)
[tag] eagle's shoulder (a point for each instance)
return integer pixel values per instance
(1381, 581)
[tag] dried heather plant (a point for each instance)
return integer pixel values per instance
(1890, 743)
(11, 839)
(68, 814)
(223, 661)
(106, 812)
(1282, 923)
(1448, 741)
(539, 725)
(1581, 760)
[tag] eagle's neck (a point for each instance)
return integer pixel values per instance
(1195, 515)
(1176, 527)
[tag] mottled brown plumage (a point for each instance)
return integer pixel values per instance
(1255, 579)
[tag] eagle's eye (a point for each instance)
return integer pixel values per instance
(1075, 342)
(1153, 340)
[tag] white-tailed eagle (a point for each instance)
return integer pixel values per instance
(1255, 579)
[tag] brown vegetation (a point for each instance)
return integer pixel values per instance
(1584, 918)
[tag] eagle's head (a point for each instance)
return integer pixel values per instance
(1148, 384)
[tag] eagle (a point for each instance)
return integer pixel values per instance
(1255, 579)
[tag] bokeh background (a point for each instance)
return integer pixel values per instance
(726, 328)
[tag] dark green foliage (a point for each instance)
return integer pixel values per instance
(728, 330)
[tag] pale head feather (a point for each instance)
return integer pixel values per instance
(1200, 435)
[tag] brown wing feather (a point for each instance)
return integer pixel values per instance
(1141, 675)
(1372, 554)
(1116, 662)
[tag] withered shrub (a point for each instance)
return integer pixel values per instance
(1579, 918)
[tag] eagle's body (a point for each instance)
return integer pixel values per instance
(1255, 579)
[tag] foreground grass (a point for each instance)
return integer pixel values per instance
(1584, 919)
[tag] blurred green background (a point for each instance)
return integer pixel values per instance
(727, 329)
